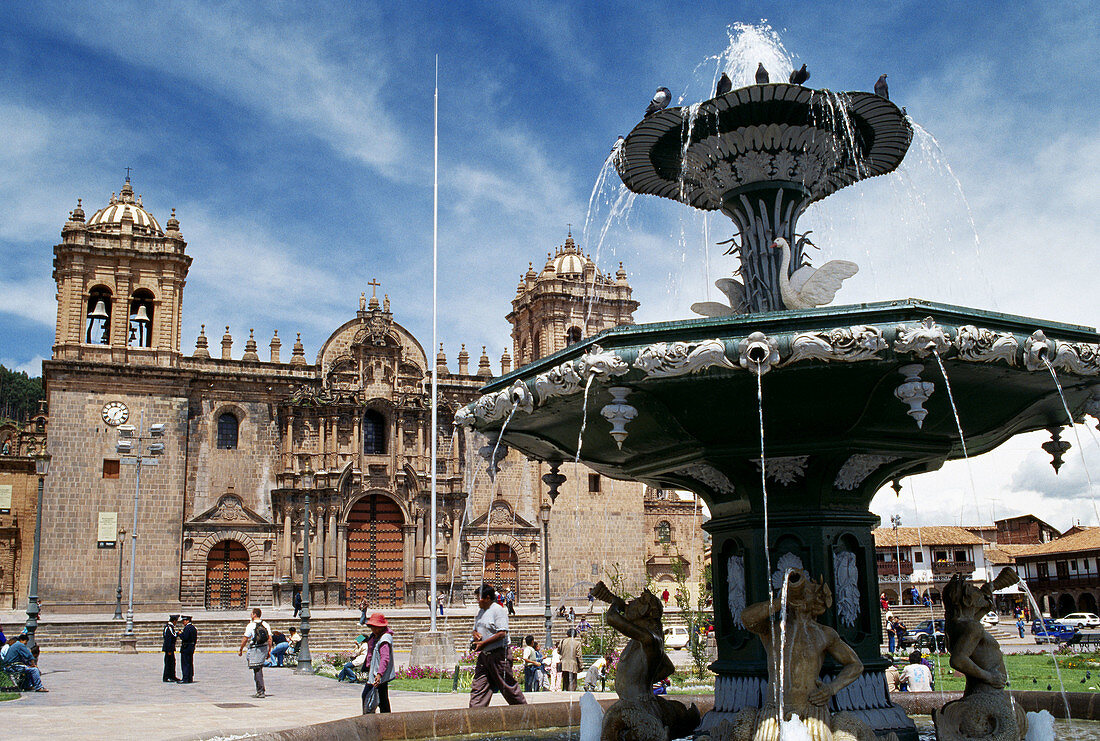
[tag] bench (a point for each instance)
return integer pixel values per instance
(1085, 640)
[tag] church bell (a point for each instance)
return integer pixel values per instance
(100, 311)
(142, 315)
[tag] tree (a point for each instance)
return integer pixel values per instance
(697, 616)
(19, 394)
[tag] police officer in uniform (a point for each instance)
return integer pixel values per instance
(188, 637)
(169, 649)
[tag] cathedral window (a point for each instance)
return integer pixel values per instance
(374, 433)
(572, 336)
(593, 483)
(227, 431)
(110, 468)
(140, 332)
(664, 532)
(97, 325)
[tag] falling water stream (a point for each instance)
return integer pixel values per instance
(1038, 613)
(1080, 447)
(962, 437)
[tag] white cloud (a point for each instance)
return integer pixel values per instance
(32, 367)
(29, 298)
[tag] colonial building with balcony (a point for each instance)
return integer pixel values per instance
(925, 558)
(1064, 574)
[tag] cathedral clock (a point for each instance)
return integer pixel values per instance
(115, 413)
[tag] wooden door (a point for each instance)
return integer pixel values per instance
(376, 552)
(502, 569)
(227, 576)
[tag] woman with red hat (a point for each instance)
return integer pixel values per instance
(380, 660)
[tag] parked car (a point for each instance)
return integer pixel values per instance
(1081, 620)
(1050, 631)
(921, 636)
(990, 618)
(676, 637)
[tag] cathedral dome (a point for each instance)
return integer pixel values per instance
(109, 218)
(571, 261)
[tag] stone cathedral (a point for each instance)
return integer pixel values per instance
(220, 514)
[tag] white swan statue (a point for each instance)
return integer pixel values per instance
(810, 287)
(735, 294)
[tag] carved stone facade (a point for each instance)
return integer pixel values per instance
(18, 504)
(220, 517)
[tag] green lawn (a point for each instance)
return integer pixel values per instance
(1035, 672)
(8, 696)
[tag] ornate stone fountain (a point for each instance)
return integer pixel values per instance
(853, 396)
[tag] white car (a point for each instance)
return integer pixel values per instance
(676, 637)
(1082, 620)
(990, 618)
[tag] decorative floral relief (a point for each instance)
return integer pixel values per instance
(786, 469)
(923, 339)
(664, 360)
(735, 588)
(560, 380)
(985, 346)
(1078, 358)
(858, 467)
(843, 344)
(786, 562)
(709, 476)
(846, 579)
(602, 363)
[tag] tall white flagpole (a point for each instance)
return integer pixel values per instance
(435, 340)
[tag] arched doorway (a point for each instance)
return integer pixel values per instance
(1087, 603)
(227, 576)
(376, 552)
(1066, 605)
(502, 569)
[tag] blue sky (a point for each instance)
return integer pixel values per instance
(295, 142)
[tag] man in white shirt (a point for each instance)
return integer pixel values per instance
(916, 677)
(257, 637)
(493, 670)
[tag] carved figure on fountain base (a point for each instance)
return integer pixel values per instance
(639, 715)
(794, 678)
(985, 711)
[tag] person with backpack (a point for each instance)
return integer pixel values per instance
(257, 638)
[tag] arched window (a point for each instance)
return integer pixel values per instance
(97, 324)
(374, 433)
(572, 335)
(141, 319)
(227, 431)
(664, 532)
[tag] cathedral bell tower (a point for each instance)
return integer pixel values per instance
(120, 281)
(569, 300)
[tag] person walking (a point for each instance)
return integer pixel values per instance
(892, 633)
(591, 601)
(297, 602)
(510, 602)
(257, 637)
(493, 670)
(168, 646)
(188, 638)
(381, 666)
(530, 665)
(1020, 626)
(571, 660)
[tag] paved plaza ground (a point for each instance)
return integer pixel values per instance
(108, 695)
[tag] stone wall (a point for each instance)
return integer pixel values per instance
(75, 573)
(17, 530)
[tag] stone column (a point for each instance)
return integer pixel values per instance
(330, 543)
(418, 549)
(357, 454)
(342, 553)
(399, 440)
(288, 441)
(287, 545)
(321, 421)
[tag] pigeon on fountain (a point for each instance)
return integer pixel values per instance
(660, 101)
(761, 74)
(799, 76)
(725, 84)
(810, 287)
(881, 88)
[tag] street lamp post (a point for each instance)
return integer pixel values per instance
(544, 516)
(896, 521)
(305, 661)
(41, 468)
(553, 481)
(118, 592)
(133, 444)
